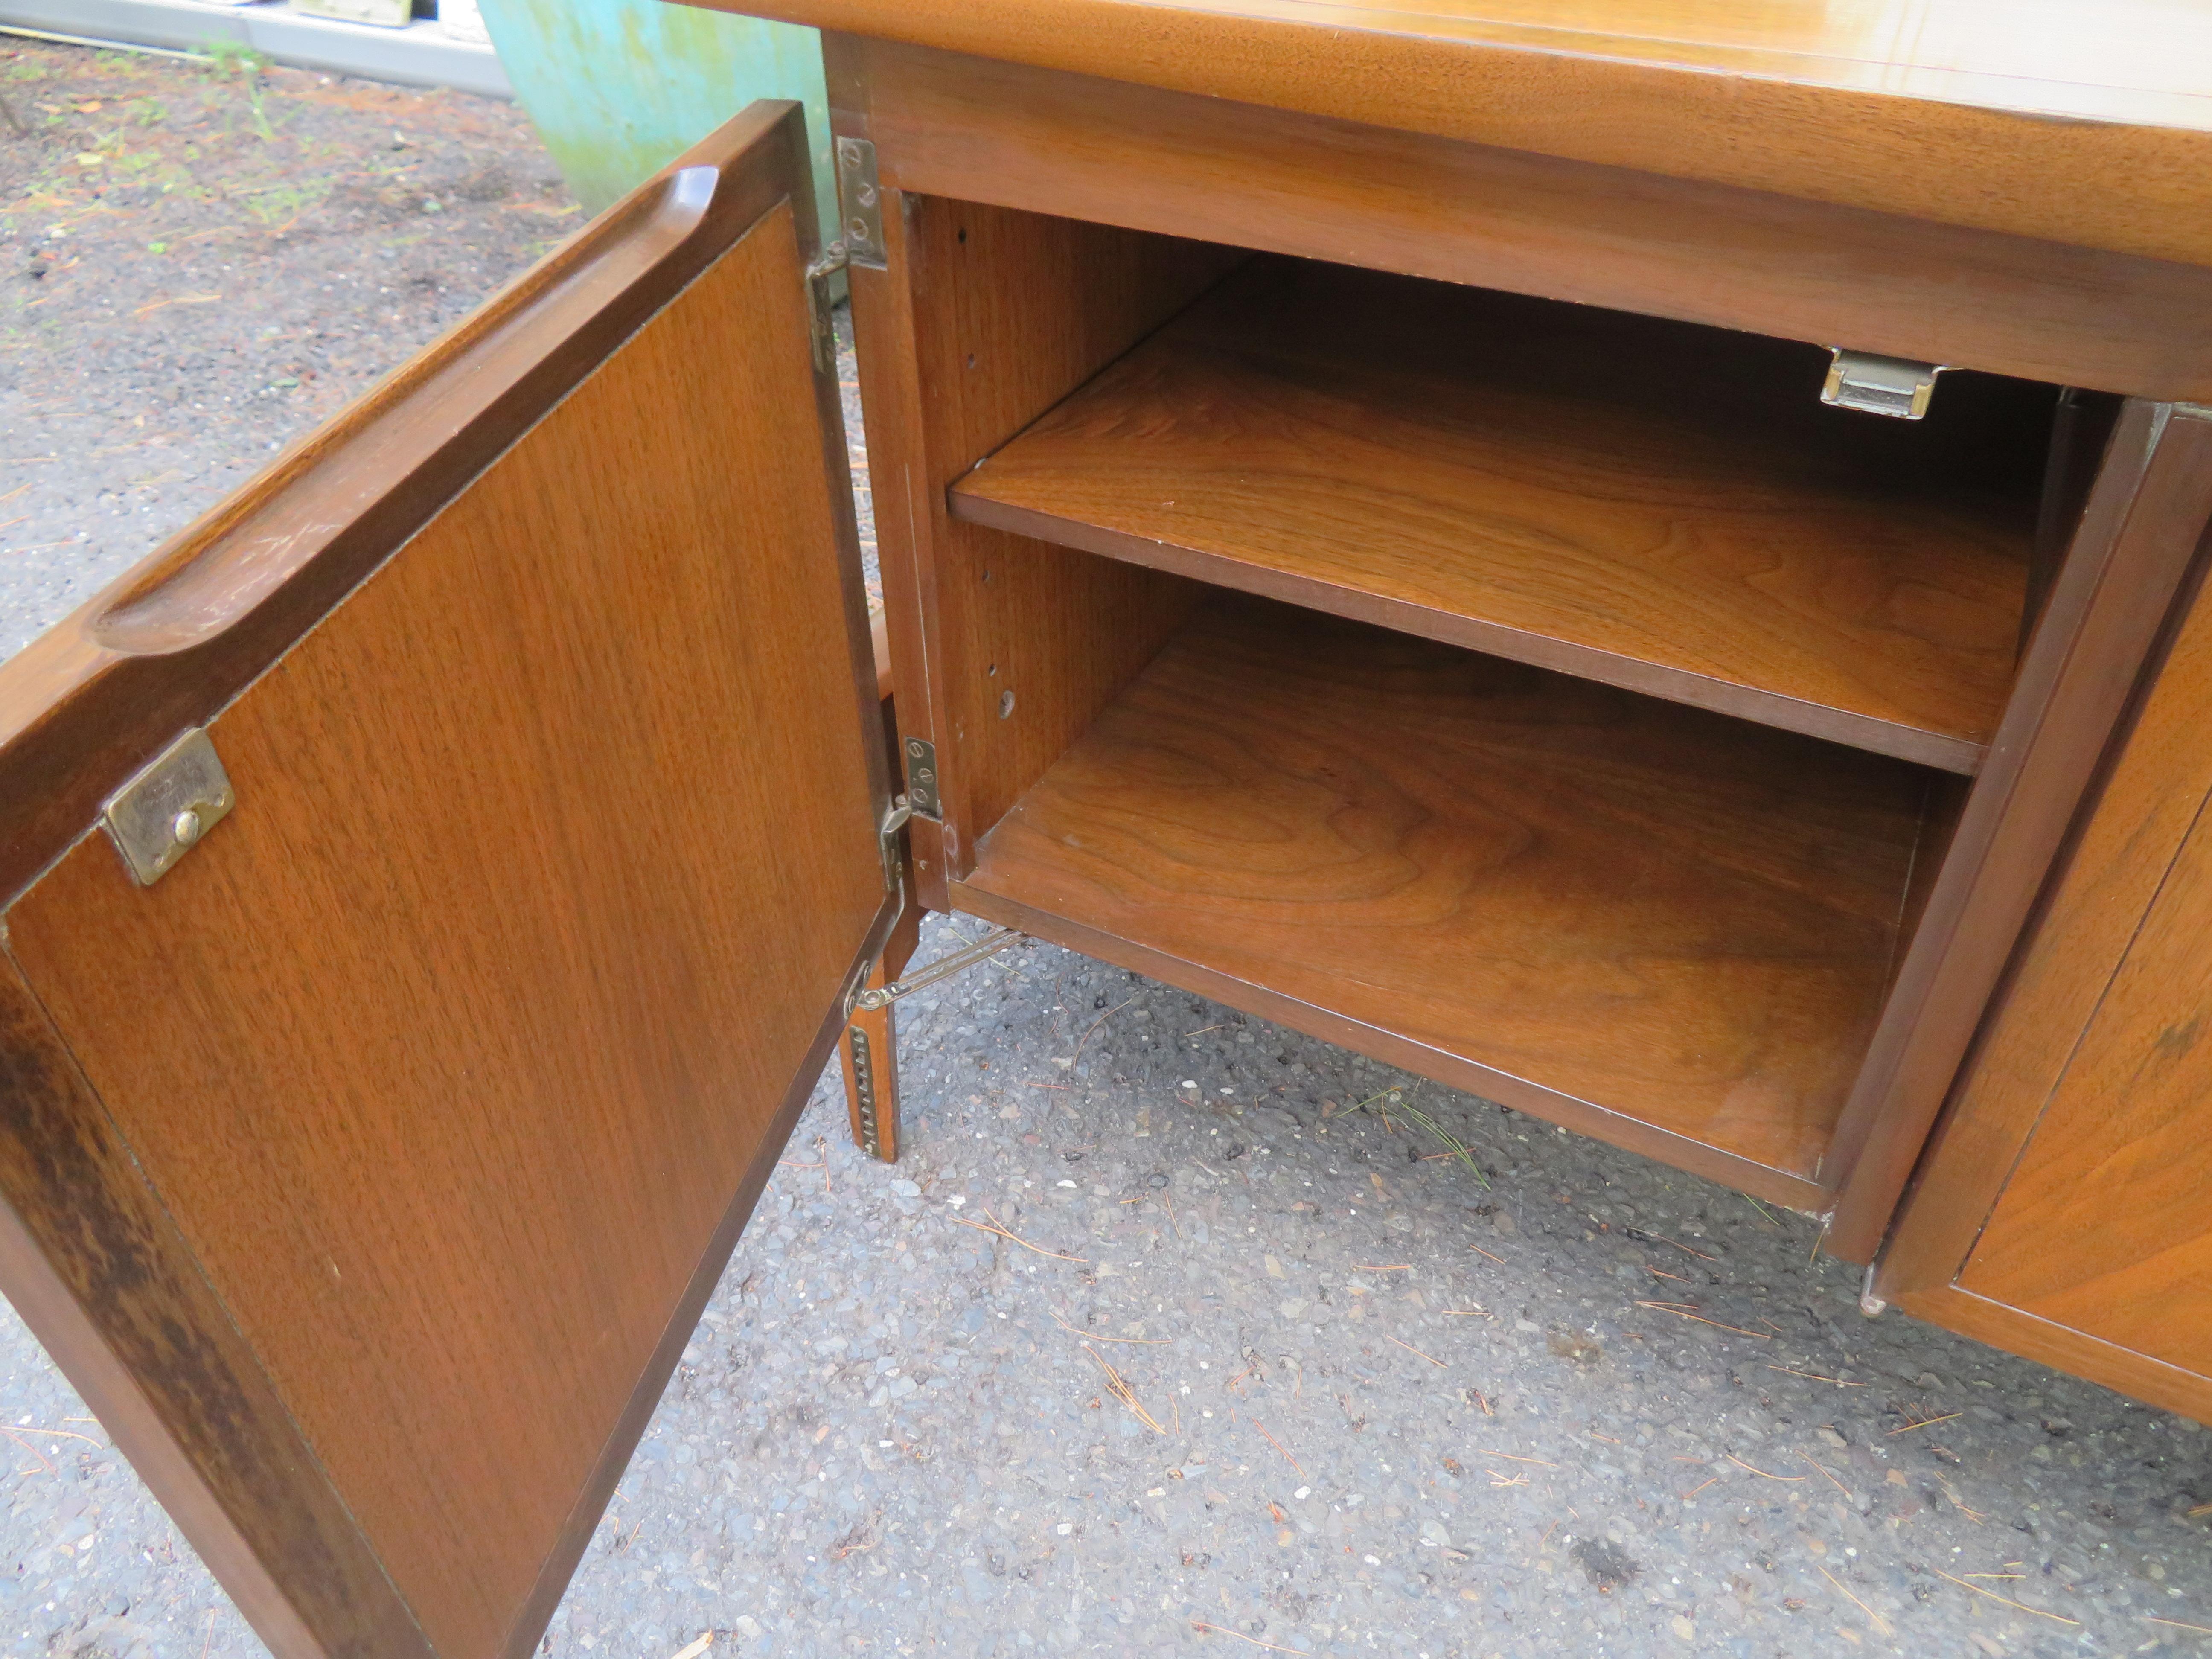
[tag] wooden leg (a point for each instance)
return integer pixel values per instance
(870, 1049)
(871, 1055)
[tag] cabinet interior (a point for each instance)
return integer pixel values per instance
(1561, 702)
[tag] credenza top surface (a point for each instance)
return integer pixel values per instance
(2081, 121)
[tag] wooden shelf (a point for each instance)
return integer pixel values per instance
(1664, 928)
(1657, 506)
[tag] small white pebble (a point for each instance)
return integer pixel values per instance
(1302, 1492)
(1067, 1184)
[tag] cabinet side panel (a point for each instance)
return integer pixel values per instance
(449, 1047)
(986, 318)
(105, 1280)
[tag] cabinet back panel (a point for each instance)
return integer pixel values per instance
(449, 1047)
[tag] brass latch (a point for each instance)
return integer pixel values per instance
(163, 813)
(1898, 387)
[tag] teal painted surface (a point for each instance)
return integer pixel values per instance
(621, 88)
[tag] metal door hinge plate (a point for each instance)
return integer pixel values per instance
(887, 842)
(820, 324)
(921, 780)
(861, 204)
(1896, 387)
(168, 808)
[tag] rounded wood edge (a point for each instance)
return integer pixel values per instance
(177, 637)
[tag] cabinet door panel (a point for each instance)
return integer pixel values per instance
(458, 1052)
(2059, 1210)
(2104, 1226)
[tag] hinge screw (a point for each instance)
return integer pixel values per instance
(185, 827)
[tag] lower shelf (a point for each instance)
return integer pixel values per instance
(1664, 928)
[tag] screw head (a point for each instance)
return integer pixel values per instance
(185, 827)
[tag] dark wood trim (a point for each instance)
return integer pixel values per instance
(1776, 1186)
(2081, 430)
(93, 1263)
(190, 626)
(2138, 537)
(1193, 166)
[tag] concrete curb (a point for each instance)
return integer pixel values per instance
(420, 55)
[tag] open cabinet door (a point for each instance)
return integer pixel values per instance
(367, 1156)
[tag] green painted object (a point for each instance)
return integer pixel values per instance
(619, 89)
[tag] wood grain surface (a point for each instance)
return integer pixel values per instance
(2059, 1211)
(2104, 1227)
(1660, 507)
(1187, 165)
(1579, 901)
(460, 1049)
(2108, 605)
(96, 1267)
(2070, 122)
(2135, 827)
(87, 703)
(985, 319)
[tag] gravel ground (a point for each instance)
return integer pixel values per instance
(197, 263)
(1261, 1371)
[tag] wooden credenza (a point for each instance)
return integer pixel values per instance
(1363, 539)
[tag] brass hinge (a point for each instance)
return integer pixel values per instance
(861, 218)
(820, 325)
(1896, 386)
(860, 203)
(921, 780)
(887, 842)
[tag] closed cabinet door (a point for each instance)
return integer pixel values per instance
(432, 886)
(2062, 1213)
